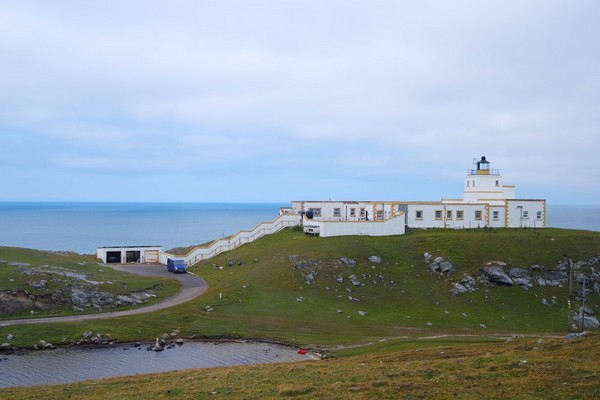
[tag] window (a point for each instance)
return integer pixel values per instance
(448, 214)
(468, 183)
(497, 183)
(353, 212)
(539, 215)
(473, 183)
(337, 212)
(459, 214)
(419, 214)
(438, 214)
(379, 214)
(362, 213)
(478, 214)
(495, 215)
(525, 214)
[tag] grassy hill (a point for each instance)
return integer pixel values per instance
(260, 290)
(417, 340)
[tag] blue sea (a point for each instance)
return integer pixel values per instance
(82, 227)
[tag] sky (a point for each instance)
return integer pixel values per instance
(272, 101)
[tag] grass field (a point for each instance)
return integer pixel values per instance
(259, 297)
(416, 340)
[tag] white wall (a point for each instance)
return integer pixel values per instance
(429, 219)
(524, 213)
(393, 226)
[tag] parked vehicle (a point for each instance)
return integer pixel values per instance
(176, 265)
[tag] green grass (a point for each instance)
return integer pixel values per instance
(393, 351)
(258, 299)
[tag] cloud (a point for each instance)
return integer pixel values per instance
(279, 91)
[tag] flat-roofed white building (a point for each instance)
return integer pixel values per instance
(486, 202)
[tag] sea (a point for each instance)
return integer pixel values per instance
(82, 227)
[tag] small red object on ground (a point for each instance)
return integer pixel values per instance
(302, 351)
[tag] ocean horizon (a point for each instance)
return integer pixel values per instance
(84, 226)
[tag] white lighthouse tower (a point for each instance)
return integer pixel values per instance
(485, 185)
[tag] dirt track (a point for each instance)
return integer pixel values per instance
(192, 288)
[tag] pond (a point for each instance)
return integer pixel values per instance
(74, 364)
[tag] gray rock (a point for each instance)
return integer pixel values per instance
(354, 280)
(458, 289)
(39, 284)
(587, 310)
(87, 335)
(362, 313)
(10, 336)
(545, 302)
(80, 298)
(555, 275)
(589, 322)
(496, 274)
(348, 261)
(576, 335)
(310, 278)
(441, 266)
(375, 259)
(519, 273)
(340, 279)
(427, 257)
(4, 347)
(179, 341)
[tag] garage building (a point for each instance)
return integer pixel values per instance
(129, 254)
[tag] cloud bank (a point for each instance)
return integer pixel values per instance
(272, 101)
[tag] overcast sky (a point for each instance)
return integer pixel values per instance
(271, 101)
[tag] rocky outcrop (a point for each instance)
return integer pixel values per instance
(494, 272)
(77, 296)
(439, 264)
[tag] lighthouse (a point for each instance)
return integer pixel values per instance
(484, 184)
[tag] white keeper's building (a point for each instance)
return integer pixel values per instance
(486, 202)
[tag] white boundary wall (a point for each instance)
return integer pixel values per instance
(220, 245)
(389, 227)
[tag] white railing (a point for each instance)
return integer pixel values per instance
(242, 237)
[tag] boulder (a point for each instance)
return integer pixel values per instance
(310, 278)
(551, 278)
(354, 280)
(496, 274)
(553, 275)
(348, 262)
(442, 266)
(362, 313)
(375, 259)
(458, 289)
(39, 284)
(589, 322)
(4, 347)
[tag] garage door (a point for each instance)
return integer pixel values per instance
(151, 256)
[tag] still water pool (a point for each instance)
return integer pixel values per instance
(74, 364)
